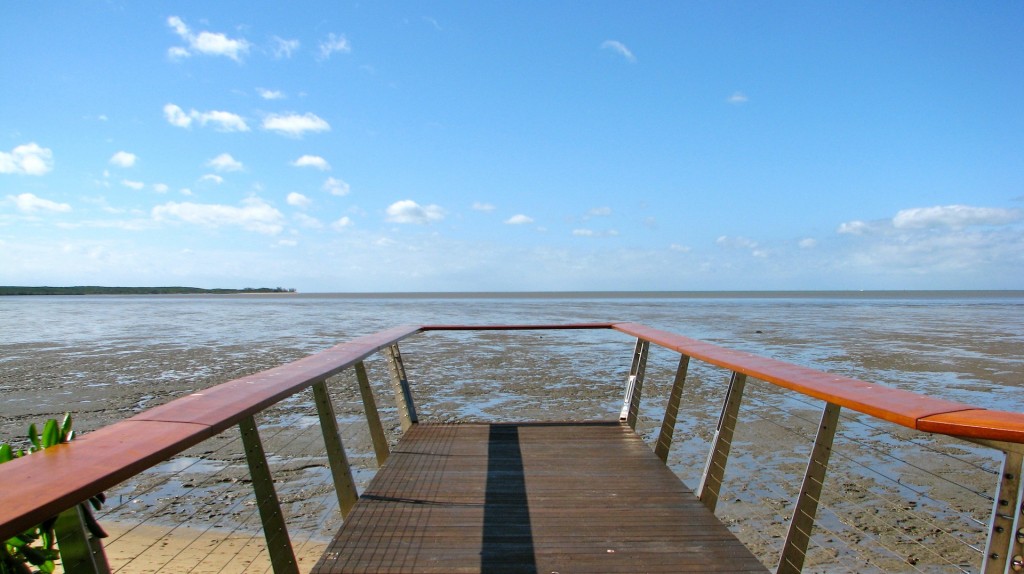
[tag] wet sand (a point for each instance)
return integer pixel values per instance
(926, 521)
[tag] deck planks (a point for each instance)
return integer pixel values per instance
(530, 497)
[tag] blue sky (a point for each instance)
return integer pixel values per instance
(524, 146)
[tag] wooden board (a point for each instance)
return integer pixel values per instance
(530, 497)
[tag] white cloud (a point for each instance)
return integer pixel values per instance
(284, 48)
(679, 248)
(408, 211)
(224, 162)
(287, 242)
(298, 200)
(123, 159)
(294, 125)
(583, 232)
(136, 185)
(855, 227)
(335, 186)
(29, 203)
(270, 94)
(307, 221)
(177, 116)
(737, 98)
(807, 243)
(334, 44)
(736, 242)
(312, 161)
(213, 178)
(161, 187)
(253, 215)
(221, 120)
(478, 206)
(207, 43)
(954, 216)
(342, 223)
(519, 219)
(27, 159)
(619, 48)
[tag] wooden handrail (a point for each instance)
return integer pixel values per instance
(39, 486)
(912, 410)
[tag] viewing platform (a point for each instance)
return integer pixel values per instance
(459, 494)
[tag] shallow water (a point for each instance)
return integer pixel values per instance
(105, 357)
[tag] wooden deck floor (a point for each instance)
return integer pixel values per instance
(534, 497)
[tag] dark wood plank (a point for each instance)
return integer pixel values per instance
(530, 497)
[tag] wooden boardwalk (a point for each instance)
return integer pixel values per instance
(530, 497)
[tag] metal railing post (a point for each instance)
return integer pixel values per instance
(1006, 529)
(634, 384)
(380, 442)
(341, 472)
(403, 394)
(795, 549)
(80, 551)
(279, 546)
(668, 424)
(714, 469)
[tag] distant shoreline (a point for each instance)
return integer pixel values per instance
(97, 290)
(396, 295)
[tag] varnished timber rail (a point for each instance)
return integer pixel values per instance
(52, 481)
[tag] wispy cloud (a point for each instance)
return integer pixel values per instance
(136, 185)
(619, 48)
(220, 120)
(298, 200)
(519, 219)
(587, 232)
(314, 161)
(29, 203)
(408, 211)
(737, 98)
(335, 186)
(334, 44)
(283, 48)
(954, 216)
(254, 214)
(480, 206)
(270, 94)
(123, 159)
(224, 162)
(295, 125)
(205, 43)
(27, 159)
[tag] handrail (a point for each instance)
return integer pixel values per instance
(909, 409)
(39, 486)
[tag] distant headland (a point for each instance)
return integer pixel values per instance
(95, 290)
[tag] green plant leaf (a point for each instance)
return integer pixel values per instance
(6, 453)
(33, 437)
(51, 433)
(65, 429)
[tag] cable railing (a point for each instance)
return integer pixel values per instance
(805, 522)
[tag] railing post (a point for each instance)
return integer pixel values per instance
(1006, 529)
(403, 394)
(380, 442)
(668, 424)
(634, 384)
(341, 472)
(80, 551)
(279, 546)
(795, 549)
(714, 469)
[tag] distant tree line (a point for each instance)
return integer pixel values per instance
(94, 290)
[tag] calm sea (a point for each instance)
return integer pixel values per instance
(106, 356)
